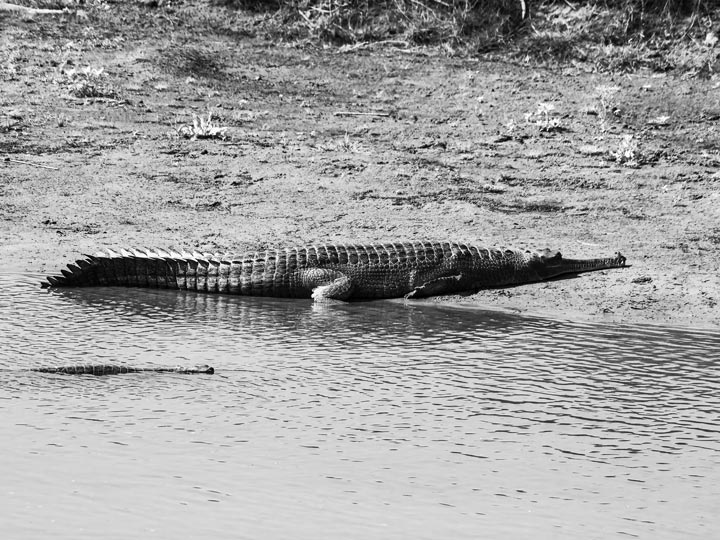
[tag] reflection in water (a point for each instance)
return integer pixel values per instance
(379, 419)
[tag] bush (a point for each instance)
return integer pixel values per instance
(612, 34)
(418, 21)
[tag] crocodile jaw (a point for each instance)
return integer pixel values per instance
(549, 266)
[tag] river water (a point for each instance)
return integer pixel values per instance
(364, 421)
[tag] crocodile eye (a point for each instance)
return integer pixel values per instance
(548, 255)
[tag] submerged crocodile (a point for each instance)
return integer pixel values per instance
(113, 369)
(323, 272)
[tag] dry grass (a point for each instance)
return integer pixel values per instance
(615, 35)
(419, 22)
(610, 35)
(624, 35)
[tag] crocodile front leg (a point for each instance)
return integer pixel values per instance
(443, 285)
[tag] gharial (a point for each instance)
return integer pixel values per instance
(119, 369)
(332, 271)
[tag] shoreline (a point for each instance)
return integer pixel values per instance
(487, 152)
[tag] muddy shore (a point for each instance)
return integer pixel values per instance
(319, 144)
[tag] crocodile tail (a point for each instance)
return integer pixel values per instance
(128, 267)
(88, 369)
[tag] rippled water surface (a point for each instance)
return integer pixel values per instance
(363, 421)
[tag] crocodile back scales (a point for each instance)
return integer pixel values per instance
(117, 369)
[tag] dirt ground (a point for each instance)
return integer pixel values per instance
(371, 143)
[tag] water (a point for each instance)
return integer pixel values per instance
(369, 420)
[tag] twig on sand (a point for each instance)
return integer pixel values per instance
(31, 163)
(368, 44)
(5, 6)
(111, 101)
(357, 113)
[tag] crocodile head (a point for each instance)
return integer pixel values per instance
(549, 264)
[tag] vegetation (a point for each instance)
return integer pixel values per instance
(614, 34)
(419, 22)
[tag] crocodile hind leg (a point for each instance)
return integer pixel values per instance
(443, 285)
(327, 284)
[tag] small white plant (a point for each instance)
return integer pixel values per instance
(544, 117)
(605, 103)
(628, 152)
(89, 82)
(347, 144)
(202, 128)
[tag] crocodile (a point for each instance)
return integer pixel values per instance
(328, 272)
(115, 369)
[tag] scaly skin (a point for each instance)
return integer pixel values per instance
(111, 369)
(341, 272)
